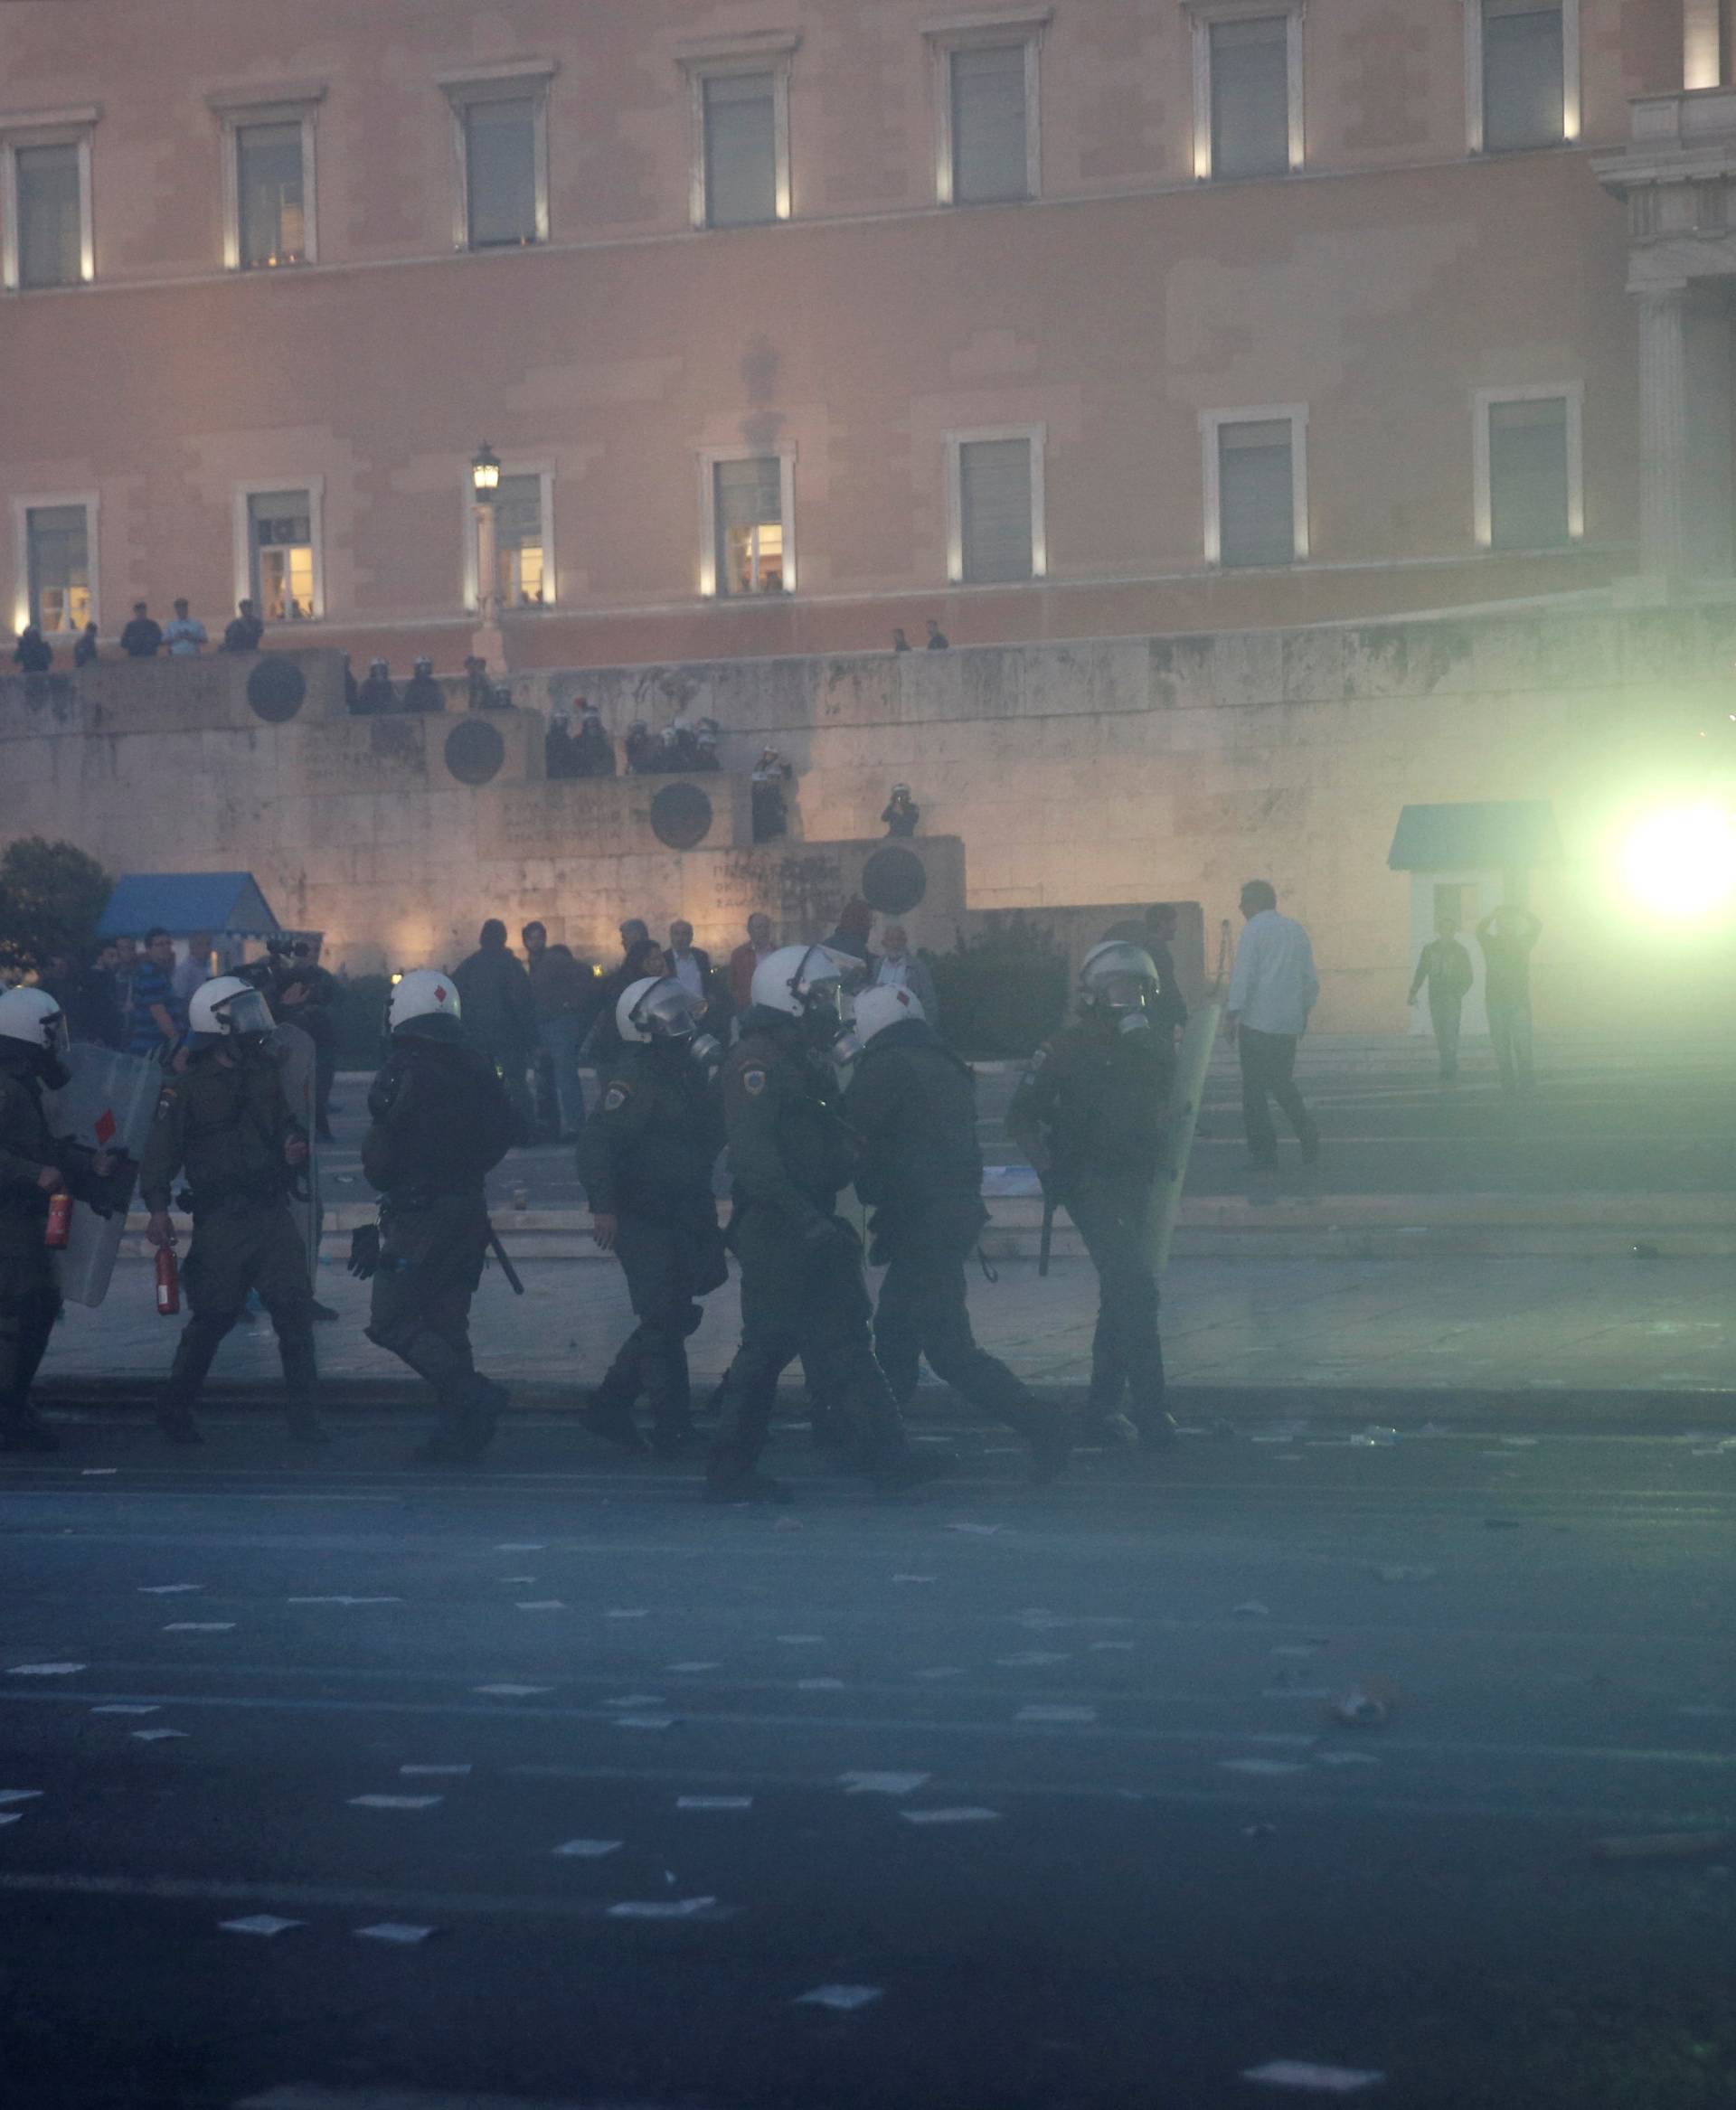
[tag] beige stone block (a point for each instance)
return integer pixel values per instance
(1312, 667)
(1409, 659)
(865, 690)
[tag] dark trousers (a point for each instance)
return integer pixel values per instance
(1126, 1355)
(811, 1301)
(1268, 1063)
(923, 1311)
(236, 1248)
(29, 1306)
(430, 1266)
(669, 1265)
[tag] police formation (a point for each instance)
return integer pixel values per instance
(807, 1102)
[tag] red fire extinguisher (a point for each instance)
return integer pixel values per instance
(168, 1283)
(58, 1229)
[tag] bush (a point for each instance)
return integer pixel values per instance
(359, 1013)
(52, 898)
(1002, 992)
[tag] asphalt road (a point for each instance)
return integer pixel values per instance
(1665, 1127)
(1127, 1859)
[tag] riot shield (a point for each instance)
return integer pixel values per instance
(1192, 1060)
(107, 1104)
(293, 1048)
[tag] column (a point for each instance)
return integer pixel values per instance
(487, 642)
(1664, 432)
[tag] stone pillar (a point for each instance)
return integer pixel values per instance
(487, 642)
(1664, 433)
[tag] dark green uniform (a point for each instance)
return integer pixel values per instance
(30, 1302)
(227, 1123)
(802, 1287)
(913, 1103)
(646, 1158)
(1093, 1104)
(440, 1123)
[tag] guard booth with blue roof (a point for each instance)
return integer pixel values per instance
(228, 904)
(1465, 859)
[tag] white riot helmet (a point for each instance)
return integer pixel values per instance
(33, 1017)
(802, 981)
(880, 1007)
(1119, 979)
(657, 1008)
(424, 1005)
(227, 1008)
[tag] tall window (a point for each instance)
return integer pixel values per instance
(997, 511)
(990, 128)
(1256, 485)
(740, 127)
(748, 512)
(58, 567)
(270, 195)
(281, 561)
(1251, 96)
(1529, 478)
(49, 216)
(519, 543)
(501, 172)
(1525, 73)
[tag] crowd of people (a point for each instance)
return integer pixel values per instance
(184, 637)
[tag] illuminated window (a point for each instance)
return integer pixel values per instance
(1256, 485)
(283, 570)
(1529, 491)
(59, 592)
(45, 200)
(519, 543)
(271, 196)
(747, 505)
(1521, 72)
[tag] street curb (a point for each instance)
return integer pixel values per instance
(1412, 1407)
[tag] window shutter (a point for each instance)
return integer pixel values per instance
(1522, 73)
(741, 150)
(1528, 473)
(50, 239)
(989, 123)
(995, 509)
(500, 141)
(1250, 97)
(1256, 493)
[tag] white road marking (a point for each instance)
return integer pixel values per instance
(844, 2000)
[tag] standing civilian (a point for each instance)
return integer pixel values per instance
(745, 958)
(143, 636)
(1272, 990)
(1446, 967)
(195, 969)
(159, 1017)
(244, 629)
(186, 637)
(498, 1014)
(125, 969)
(85, 994)
(33, 654)
(898, 967)
(691, 965)
(856, 922)
(1506, 938)
(85, 651)
(561, 995)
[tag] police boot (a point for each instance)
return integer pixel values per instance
(613, 1421)
(22, 1428)
(1049, 1435)
(1157, 1429)
(479, 1413)
(301, 1384)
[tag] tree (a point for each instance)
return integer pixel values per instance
(52, 898)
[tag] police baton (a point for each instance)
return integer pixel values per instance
(1048, 1233)
(507, 1267)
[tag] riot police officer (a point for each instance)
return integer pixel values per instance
(441, 1121)
(913, 1104)
(802, 1287)
(34, 1166)
(227, 1122)
(1090, 1115)
(646, 1161)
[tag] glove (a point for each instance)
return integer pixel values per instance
(364, 1251)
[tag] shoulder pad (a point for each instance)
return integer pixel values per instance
(619, 1091)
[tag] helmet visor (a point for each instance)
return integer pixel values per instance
(822, 979)
(245, 1014)
(665, 1010)
(1120, 977)
(56, 1040)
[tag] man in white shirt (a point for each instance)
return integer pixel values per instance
(195, 969)
(690, 965)
(1272, 990)
(898, 967)
(186, 636)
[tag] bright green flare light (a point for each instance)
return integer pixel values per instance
(1680, 861)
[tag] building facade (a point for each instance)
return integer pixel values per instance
(794, 321)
